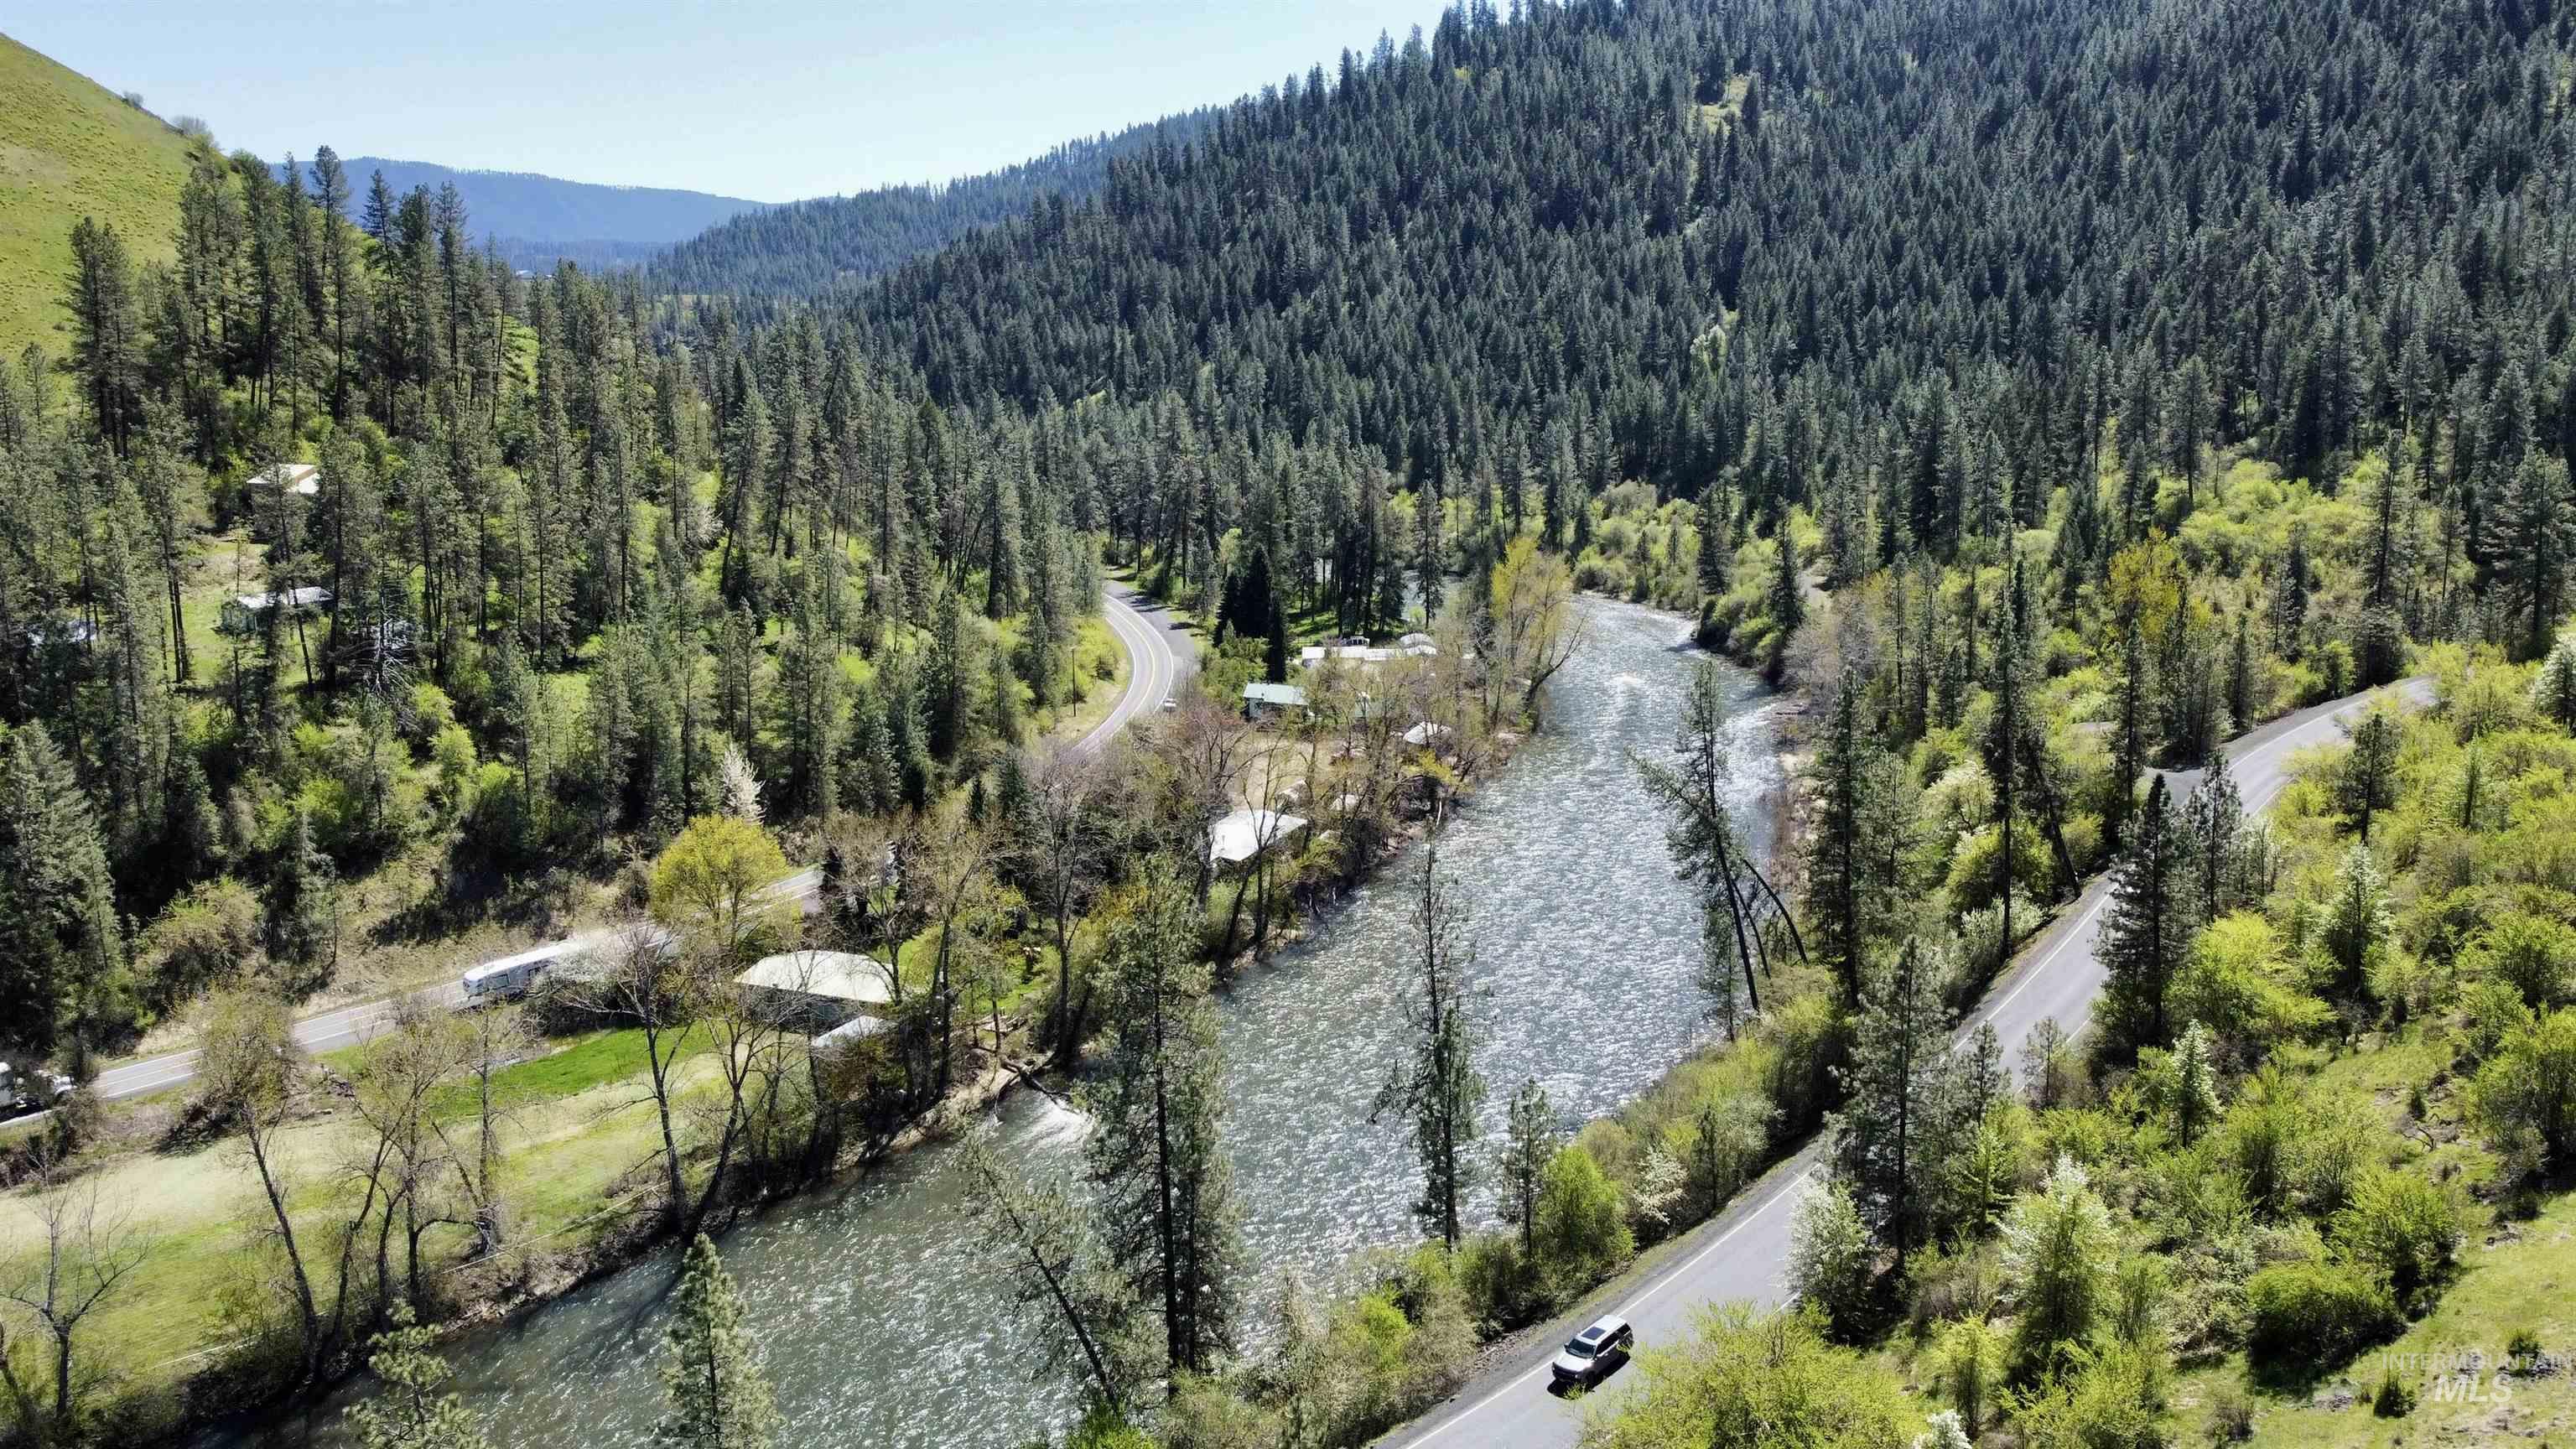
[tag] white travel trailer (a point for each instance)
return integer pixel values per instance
(34, 1090)
(517, 975)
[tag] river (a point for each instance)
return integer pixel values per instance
(880, 1326)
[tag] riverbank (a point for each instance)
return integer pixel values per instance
(574, 1245)
(1589, 954)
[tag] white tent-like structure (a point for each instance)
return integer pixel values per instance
(1244, 834)
(829, 985)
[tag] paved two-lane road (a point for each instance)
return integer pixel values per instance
(1743, 1253)
(1159, 656)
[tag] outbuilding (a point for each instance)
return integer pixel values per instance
(816, 987)
(304, 480)
(242, 612)
(1268, 701)
(1240, 836)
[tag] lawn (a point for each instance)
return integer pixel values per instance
(579, 1122)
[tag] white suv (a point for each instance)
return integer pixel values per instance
(1590, 1356)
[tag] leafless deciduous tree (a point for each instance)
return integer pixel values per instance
(409, 1163)
(85, 1248)
(1199, 757)
(247, 1063)
(1063, 842)
(639, 980)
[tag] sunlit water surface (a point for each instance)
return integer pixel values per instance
(880, 1324)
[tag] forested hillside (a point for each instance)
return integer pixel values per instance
(2049, 389)
(536, 221)
(809, 246)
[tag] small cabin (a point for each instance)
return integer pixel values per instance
(242, 613)
(304, 480)
(1269, 701)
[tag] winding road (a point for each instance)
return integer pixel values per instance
(1743, 1253)
(1159, 656)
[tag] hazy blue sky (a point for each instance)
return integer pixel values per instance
(769, 99)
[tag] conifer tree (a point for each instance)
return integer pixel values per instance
(1892, 1090)
(1786, 601)
(2147, 933)
(716, 1395)
(1435, 1083)
(303, 899)
(2553, 685)
(2367, 781)
(1841, 866)
(1529, 1143)
(415, 1409)
(1166, 1200)
(62, 949)
(2215, 816)
(2530, 535)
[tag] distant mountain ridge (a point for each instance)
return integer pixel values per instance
(538, 220)
(804, 247)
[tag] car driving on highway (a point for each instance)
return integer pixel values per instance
(1591, 1355)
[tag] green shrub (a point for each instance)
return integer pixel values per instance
(2314, 1315)
(2537, 956)
(1583, 1234)
(1502, 1288)
(2393, 1400)
(2526, 1094)
(2231, 1413)
(1831, 1258)
(2401, 1226)
(2491, 1011)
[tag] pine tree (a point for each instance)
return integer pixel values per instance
(107, 350)
(415, 1409)
(1166, 1200)
(1842, 867)
(717, 1396)
(1786, 601)
(1040, 1243)
(1716, 543)
(2530, 535)
(2147, 933)
(62, 949)
(1700, 836)
(2553, 685)
(2215, 816)
(1529, 1142)
(1892, 1088)
(303, 917)
(1435, 1084)
(2366, 783)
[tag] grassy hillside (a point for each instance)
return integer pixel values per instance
(68, 148)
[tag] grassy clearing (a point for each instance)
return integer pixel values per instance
(2521, 1278)
(579, 1123)
(68, 149)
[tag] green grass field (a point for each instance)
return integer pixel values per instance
(578, 1123)
(69, 148)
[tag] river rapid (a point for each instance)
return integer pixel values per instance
(881, 1326)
